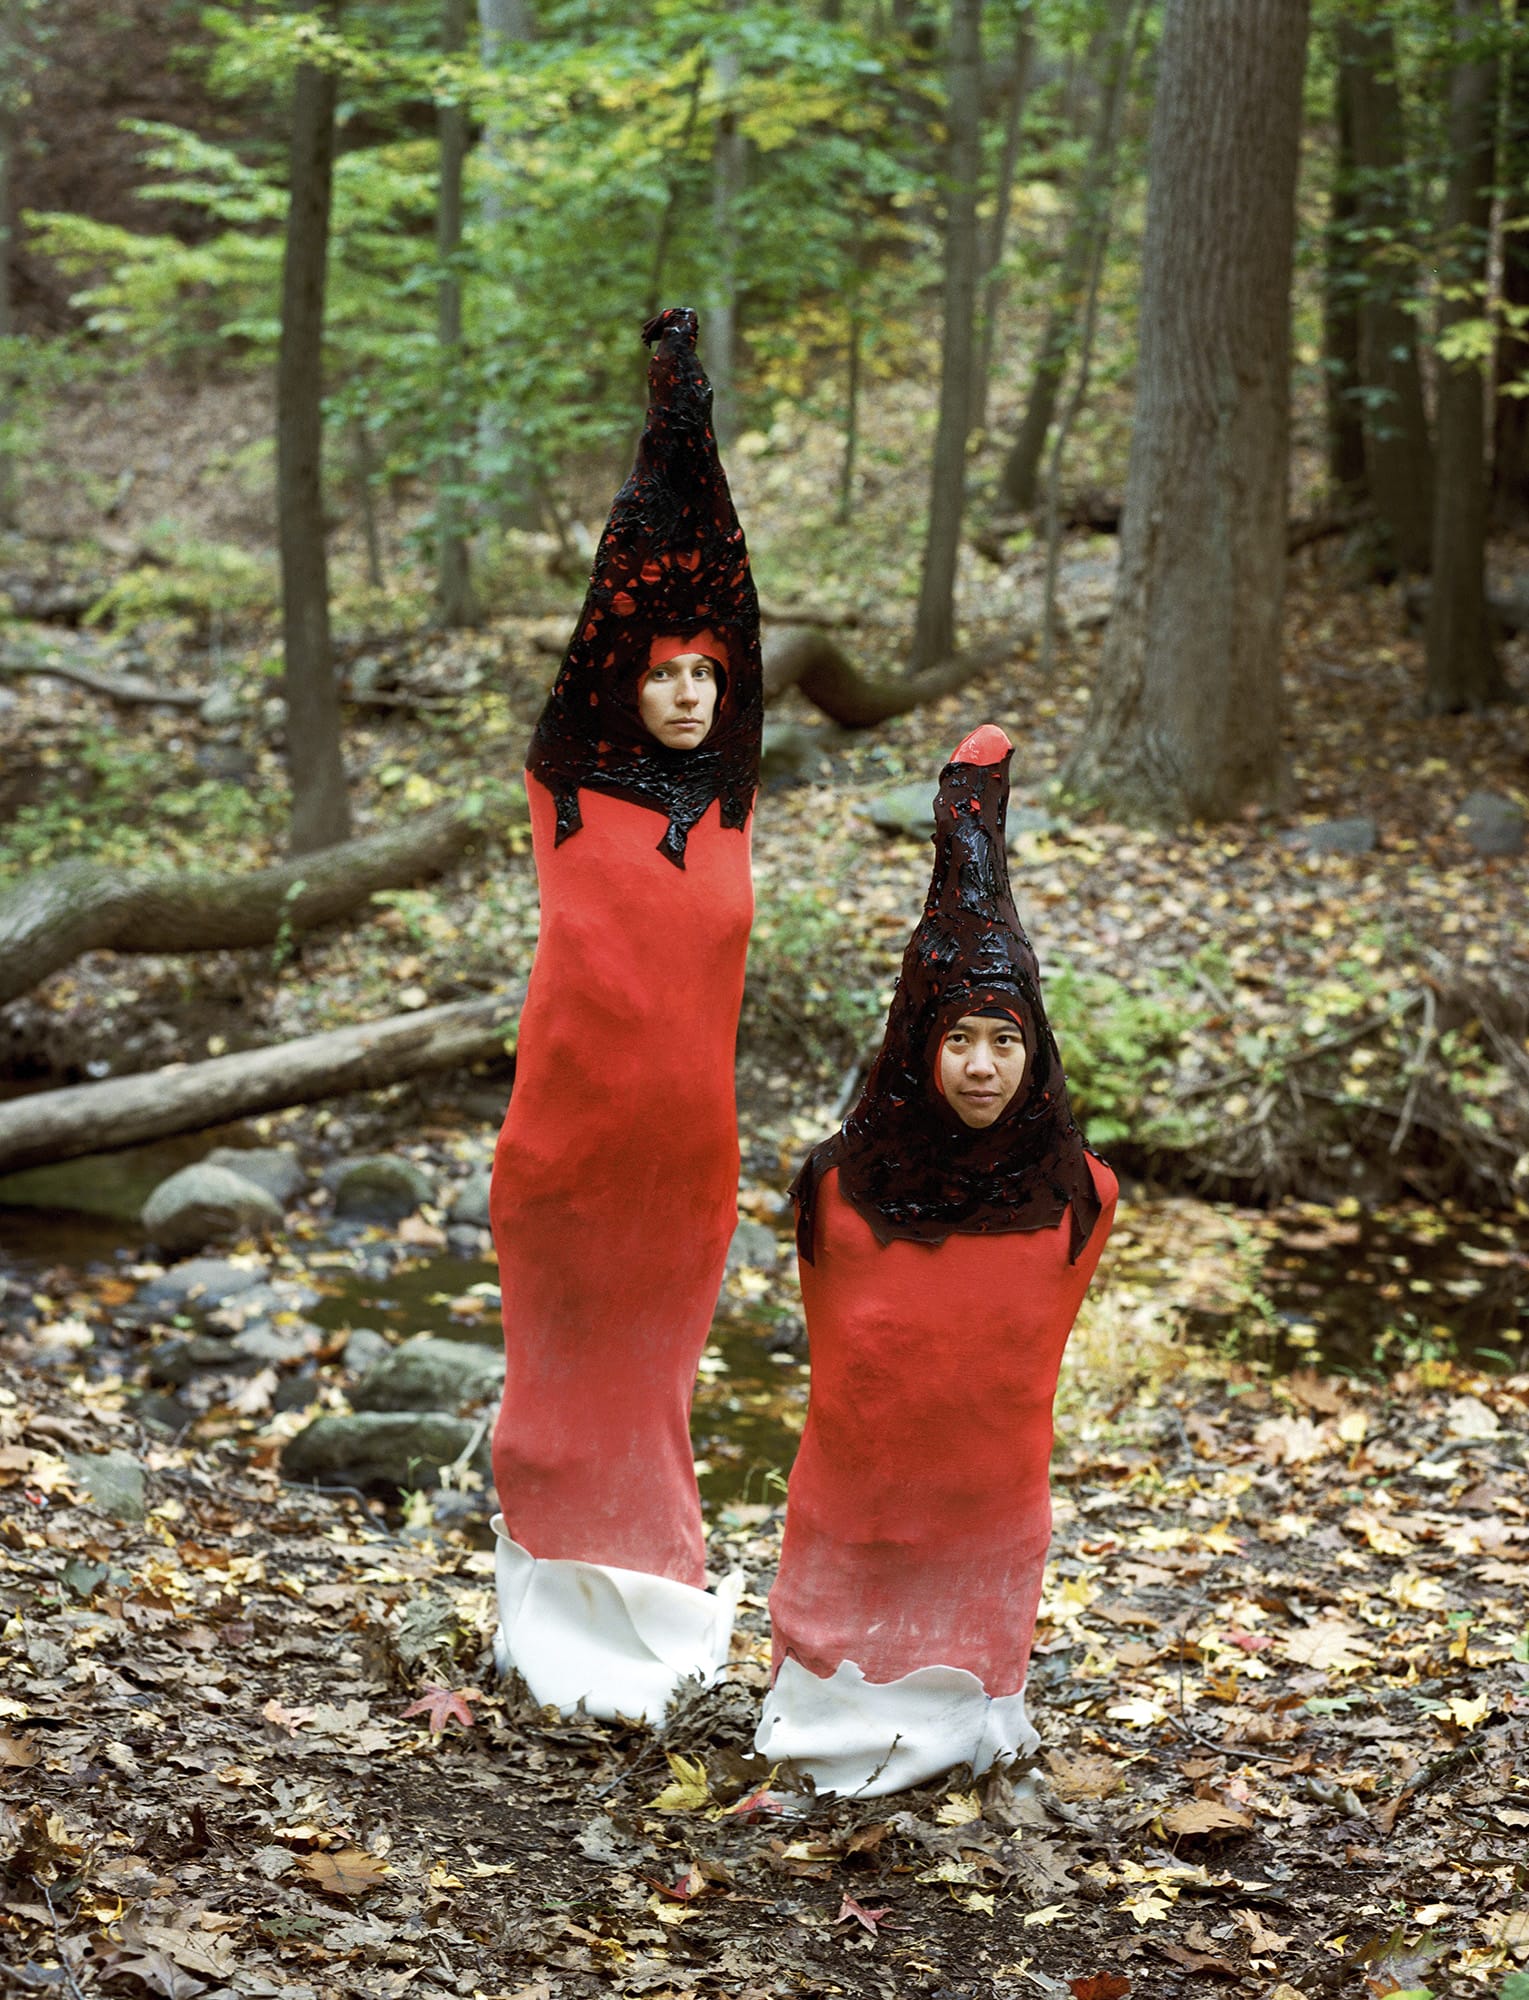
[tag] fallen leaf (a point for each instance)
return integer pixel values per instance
(1048, 1915)
(1205, 1816)
(975, 1901)
(852, 1912)
(1470, 1714)
(348, 1871)
(1099, 1986)
(1329, 1644)
(1148, 1908)
(1082, 1777)
(443, 1705)
(1260, 1936)
(686, 1886)
(690, 1788)
(959, 1809)
(16, 1754)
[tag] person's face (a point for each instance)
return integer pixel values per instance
(982, 1061)
(678, 700)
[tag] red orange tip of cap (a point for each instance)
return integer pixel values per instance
(987, 745)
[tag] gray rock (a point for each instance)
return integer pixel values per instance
(471, 1204)
(262, 1301)
(390, 1449)
(364, 1349)
(1334, 836)
(295, 1392)
(273, 1346)
(905, 809)
(222, 760)
(431, 1374)
(114, 1481)
(201, 1282)
(277, 1169)
(1029, 819)
(382, 1188)
(178, 1361)
(159, 1412)
(753, 1245)
(1493, 824)
(220, 707)
(200, 1204)
(467, 1240)
(789, 750)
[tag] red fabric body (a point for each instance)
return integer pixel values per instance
(919, 1512)
(615, 1183)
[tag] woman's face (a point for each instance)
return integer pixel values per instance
(982, 1063)
(677, 700)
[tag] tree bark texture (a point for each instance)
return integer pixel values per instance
(1003, 202)
(188, 1097)
(320, 805)
(9, 60)
(1461, 669)
(1340, 308)
(720, 336)
(1018, 483)
(934, 629)
(1185, 719)
(55, 914)
(454, 579)
(1510, 443)
(806, 658)
(502, 26)
(1398, 457)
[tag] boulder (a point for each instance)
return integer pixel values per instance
(431, 1374)
(364, 1349)
(273, 1345)
(388, 1450)
(907, 809)
(381, 1188)
(221, 705)
(113, 1480)
(1334, 836)
(1492, 824)
(202, 1204)
(789, 750)
(177, 1361)
(753, 1246)
(471, 1204)
(201, 1282)
(277, 1169)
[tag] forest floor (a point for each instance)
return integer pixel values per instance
(1283, 1667)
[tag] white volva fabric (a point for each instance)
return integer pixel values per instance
(867, 1737)
(617, 1640)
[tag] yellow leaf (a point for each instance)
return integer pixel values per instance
(1206, 1816)
(974, 1900)
(1048, 1915)
(348, 1871)
(689, 1791)
(668, 1912)
(1150, 1908)
(1470, 1714)
(1330, 1644)
(959, 1809)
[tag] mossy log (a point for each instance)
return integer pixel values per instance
(806, 658)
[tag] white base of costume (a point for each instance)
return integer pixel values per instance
(617, 1640)
(864, 1737)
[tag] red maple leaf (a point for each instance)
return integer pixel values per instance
(1250, 1642)
(686, 1886)
(851, 1911)
(1100, 1986)
(444, 1705)
(762, 1801)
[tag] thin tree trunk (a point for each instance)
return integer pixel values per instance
(454, 574)
(320, 806)
(934, 630)
(1003, 202)
(1185, 719)
(1462, 671)
(1510, 443)
(845, 508)
(1017, 483)
(366, 496)
(503, 25)
(720, 338)
(1340, 308)
(1398, 459)
(8, 66)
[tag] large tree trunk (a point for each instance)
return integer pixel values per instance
(10, 61)
(1340, 309)
(503, 25)
(720, 343)
(1461, 668)
(55, 914)
(320, 805)
(1003, 202)
(188, 1097)
(454, 578)
(1018, 481)
(1510, 446)
(1398, 460)
(934, 629)
(1185, 719)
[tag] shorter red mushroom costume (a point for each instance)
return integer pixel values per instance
(614, 1192)
(942, 1269)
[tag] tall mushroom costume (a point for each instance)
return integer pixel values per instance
(942, 1269)
(615, 1178)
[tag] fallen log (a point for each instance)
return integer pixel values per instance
(188, 1097)
(804, 657)
(126, 688)
(57, 913)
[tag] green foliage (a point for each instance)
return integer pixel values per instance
(1120, 1048)
(808, 978)
(188, 579)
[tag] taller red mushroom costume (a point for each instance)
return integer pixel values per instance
(615, 1178)
(942, 1269)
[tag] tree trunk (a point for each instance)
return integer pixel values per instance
(1510, 444)
(1462, 670)
(9, 65)
(454, 578)
(55, 914)
(934, 630)
(502, 25)
(1003, 202)
(720, 338)
(1340, 309)
(1398, 460)
(804, 657)
(1185, 719)
(91, 1118)
(366, 498)
(320, 806)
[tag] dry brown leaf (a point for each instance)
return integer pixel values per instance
(1206, 1816)
(1082, 1777)
(1330, 1644)
(348, 1871)
(1260, 1936)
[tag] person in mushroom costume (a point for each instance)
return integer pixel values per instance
(946, 1234)
(614, 1188)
